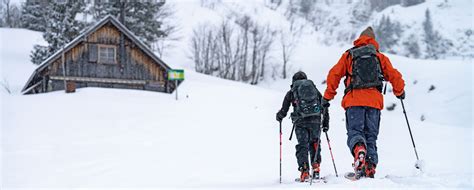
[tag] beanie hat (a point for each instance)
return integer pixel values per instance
(368, 32)
(299, 76)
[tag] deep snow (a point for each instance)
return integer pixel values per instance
(221, 134)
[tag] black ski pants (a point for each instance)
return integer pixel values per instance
(307, 135)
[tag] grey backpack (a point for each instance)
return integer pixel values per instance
(366, 69)
(307, 100)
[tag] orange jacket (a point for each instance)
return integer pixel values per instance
(370, 97)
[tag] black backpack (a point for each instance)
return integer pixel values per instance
(307, 100)
(366, 69)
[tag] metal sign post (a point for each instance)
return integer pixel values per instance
(176, 75)
(176, 84)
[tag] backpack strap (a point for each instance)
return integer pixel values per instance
(350, 58)
(294, 101)
(383, 77)
(294, 95)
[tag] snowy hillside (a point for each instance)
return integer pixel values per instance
(452, 19)
(221, 134)
(338, 22)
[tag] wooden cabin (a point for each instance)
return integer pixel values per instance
(106, 55)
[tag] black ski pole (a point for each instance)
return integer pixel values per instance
(280, 150)
(330, 150)
(293, 129)
(409, 129)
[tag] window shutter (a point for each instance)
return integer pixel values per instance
(118, 55)
(93, 53)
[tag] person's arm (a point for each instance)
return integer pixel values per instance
(284, 107)
(334, 76)
(286, 104)
(392, 75)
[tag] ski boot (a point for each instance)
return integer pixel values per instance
(316, 170)
(304, 173)
(359, 164)
(370, 169)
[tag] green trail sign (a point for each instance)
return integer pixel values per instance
(176, 74)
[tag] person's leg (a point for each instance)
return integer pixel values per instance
(355, 124)
(315, 147)
(356, 138)
(314, 133)
(372, 122)
(371, 132)
(302, 136)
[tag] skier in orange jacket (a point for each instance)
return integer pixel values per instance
(364, 69)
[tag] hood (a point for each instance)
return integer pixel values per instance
(366, 40)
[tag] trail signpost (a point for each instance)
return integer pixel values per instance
(176, 75)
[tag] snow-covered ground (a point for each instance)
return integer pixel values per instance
(220, 133)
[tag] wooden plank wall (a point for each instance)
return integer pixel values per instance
(82, 61)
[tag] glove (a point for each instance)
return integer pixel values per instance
(325, 103)
(325, 126)
(280, 116)
(401, 96)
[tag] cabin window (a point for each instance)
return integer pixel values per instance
(107, 54)
(102, 1)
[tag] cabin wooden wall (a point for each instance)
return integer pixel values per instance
(82, 61)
